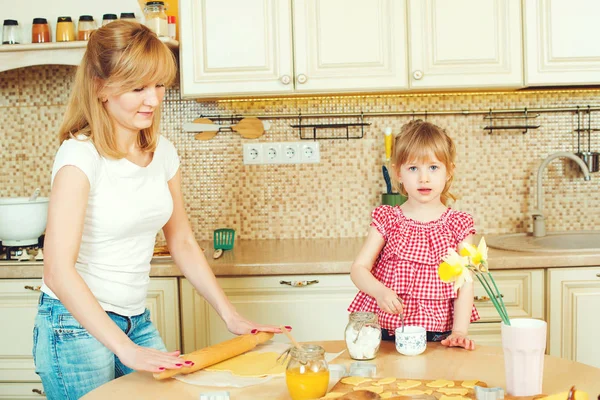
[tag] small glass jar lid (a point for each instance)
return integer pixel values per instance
(155, 3)
(10, 22)
(64, 19)
(127, 16)
(109, 16)
(40, 21)
(87, 18)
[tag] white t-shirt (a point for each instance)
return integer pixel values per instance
(127, 206)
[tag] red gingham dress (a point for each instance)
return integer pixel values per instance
(408, 265)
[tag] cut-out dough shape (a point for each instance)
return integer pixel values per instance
(450, 391)
(386, 395)
(469, 384)
(408, 384)
(374, 389)
(385, 381)
(252, 364)
(440, 383)
(414, 392)
(355, 380)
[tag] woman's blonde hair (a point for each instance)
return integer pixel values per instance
(120, 57)
(417, 141)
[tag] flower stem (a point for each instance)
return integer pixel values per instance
(500, 295)
(493, 298)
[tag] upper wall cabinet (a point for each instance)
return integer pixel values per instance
(235, 47)
(245, 47)
(349, 45)
(465, 44)
(561, 42)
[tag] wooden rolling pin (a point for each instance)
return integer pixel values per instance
(215, 354)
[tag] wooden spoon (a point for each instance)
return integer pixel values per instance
(289, 335)
(249, 128)
(204, 135)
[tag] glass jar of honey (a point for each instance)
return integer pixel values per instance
(65, 29)
(307, 373)
(85, 27)
(40, 33)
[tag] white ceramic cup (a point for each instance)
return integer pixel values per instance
(524, 345)
(412, 341)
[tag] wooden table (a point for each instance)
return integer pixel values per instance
(485, 363)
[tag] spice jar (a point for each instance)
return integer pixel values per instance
(156, 17)
(128, 17)
(10, 32)
(108, 18)
(65, 30)
(363, 335)
(85, 27)
(40, 33)
(307, 373)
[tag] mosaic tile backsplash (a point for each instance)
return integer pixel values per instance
(495, 181)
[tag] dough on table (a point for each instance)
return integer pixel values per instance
(333, 395)
(450, 391)
(374, 389)
(252, 364)
(414, 392)
(440, 383)
(385, 381)
(386, 395)
(409, 384)
(355, 380)
(469, 384)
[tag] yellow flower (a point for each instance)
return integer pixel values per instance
(454, 269)
(477, 256)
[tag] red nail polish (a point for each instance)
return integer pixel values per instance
(289, 328)
(254, 331)
(161, 368)
(189, 363)
(179, 365)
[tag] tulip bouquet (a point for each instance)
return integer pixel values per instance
(457, 268)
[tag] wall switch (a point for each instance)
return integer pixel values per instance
(253, 153)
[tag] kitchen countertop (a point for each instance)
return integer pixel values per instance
(312, 256)
(485, 363)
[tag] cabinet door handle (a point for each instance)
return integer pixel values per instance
(598, 275)
(285, 79)
(34, 288)
(298, 283)
(484, 298)
(38, 391)
(418, 74)
(301, 78)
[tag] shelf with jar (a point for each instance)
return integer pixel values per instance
(63, 53)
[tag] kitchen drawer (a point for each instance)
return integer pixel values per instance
(18, 307)
(24, 390)
(523, 294)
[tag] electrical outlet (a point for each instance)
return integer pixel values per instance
(253, 153)
(309, 152)
(272, 153)
(290, 153)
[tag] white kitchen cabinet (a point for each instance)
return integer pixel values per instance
(22, 391)
(561, 42)
(574, 307)
(235, 47)
(465, 44)
(349, 45)
(315, 312)
(18, 307)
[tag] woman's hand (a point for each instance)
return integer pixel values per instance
(458, 339)
(389, 301)
(146, 359)
(239, 325)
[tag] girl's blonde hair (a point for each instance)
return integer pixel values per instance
(120, 56)
(417, 141)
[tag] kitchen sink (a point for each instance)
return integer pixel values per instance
(553, 242)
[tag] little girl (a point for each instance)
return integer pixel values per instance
(396, 269)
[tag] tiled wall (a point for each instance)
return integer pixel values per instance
(495, 173)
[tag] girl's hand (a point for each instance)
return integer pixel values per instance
(146, 359)
(458, 339)
(389, 302)
(239, 325)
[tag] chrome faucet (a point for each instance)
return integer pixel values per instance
(539, 225)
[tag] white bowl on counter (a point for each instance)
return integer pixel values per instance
(411, 341)
(22, 222)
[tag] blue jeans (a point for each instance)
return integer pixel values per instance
(70, 361)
